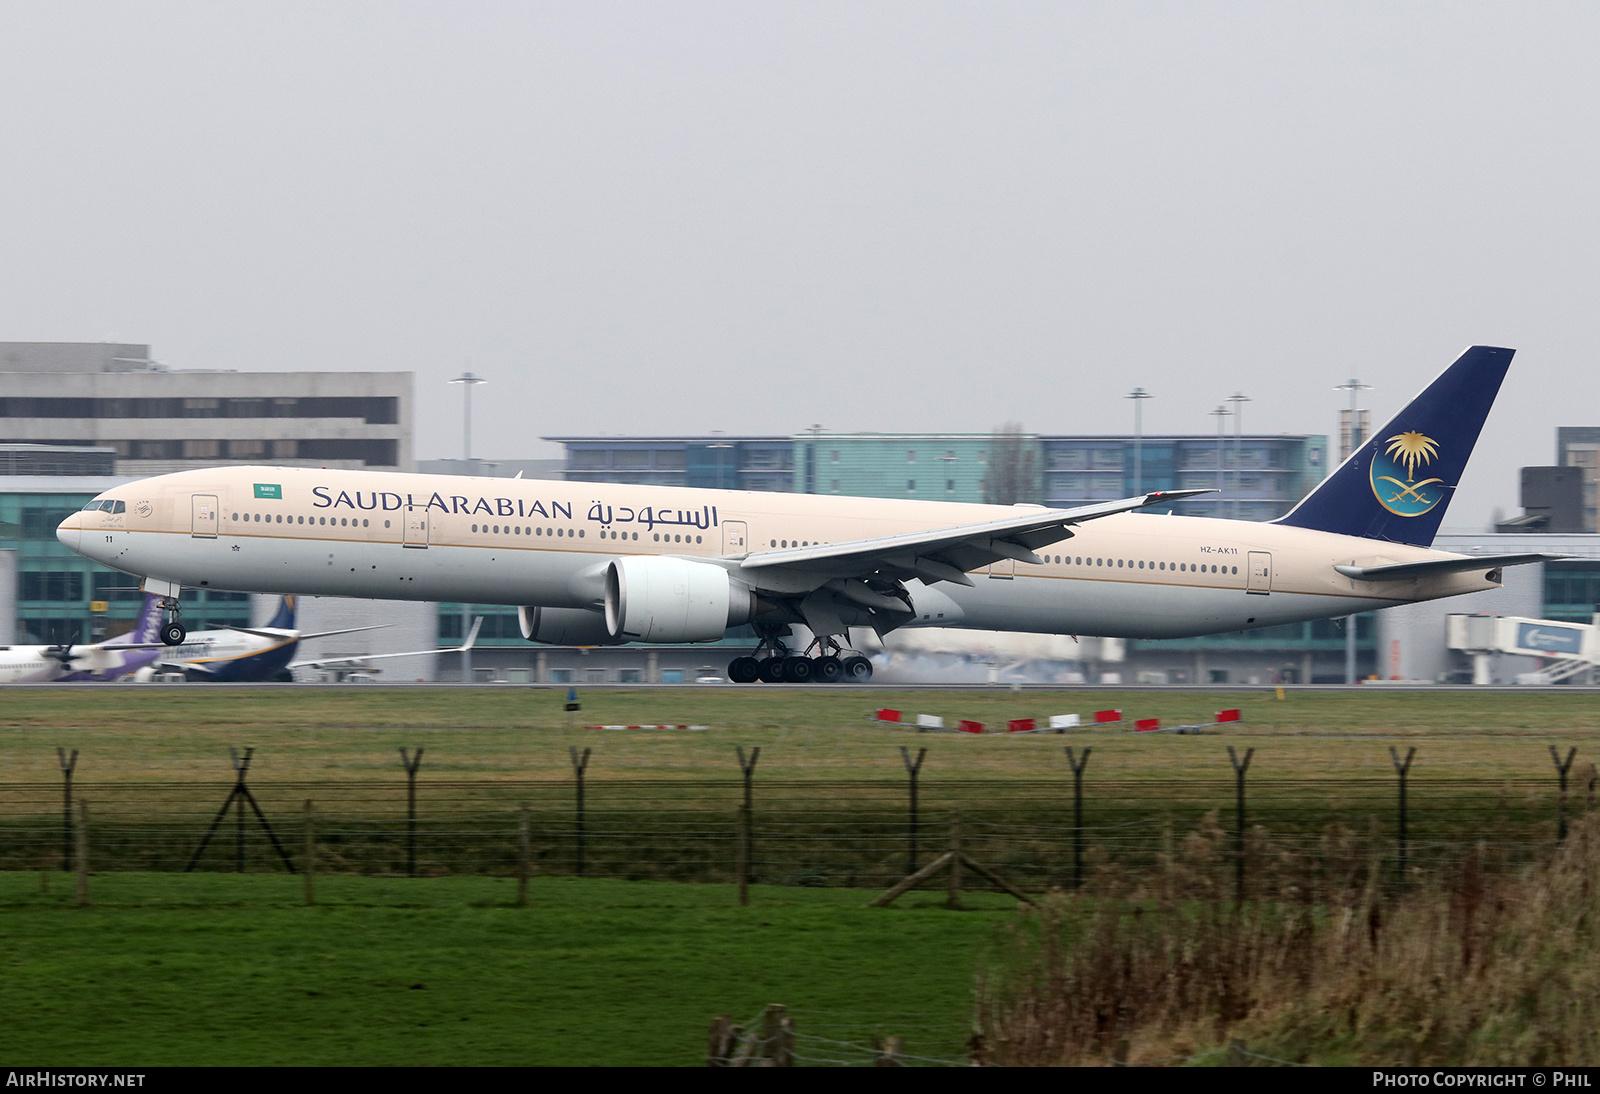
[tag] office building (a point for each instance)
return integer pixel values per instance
(157, 420)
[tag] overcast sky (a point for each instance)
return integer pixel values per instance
(755, 217)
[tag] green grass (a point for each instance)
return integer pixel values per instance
(216, 969)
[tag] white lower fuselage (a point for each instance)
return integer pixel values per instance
(533, 542)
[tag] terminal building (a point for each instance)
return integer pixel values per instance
(79, 418)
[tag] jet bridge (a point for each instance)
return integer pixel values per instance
(1568, 650)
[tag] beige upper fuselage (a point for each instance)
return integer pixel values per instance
(534, 542)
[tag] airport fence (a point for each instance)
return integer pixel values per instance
(1264, 832)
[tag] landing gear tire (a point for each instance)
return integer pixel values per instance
(857, 670)
(827, 670)
(173, 634)
(797, 670)
(744, 670)
(772, 670)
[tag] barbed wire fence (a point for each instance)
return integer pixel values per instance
(1039, 833)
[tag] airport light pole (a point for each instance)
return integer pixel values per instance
(1352, 440)
(1238, 399)
(1221, 414)
(468, 381)
(1138, 395)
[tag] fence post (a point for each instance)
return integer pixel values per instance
(523, 855)
(746, 823)
(579, 765)
(240, 767)
(411, 764)
(311, 853)
(912, 769)
(1239, 768)
(1402, 769)
(1077, 812)
(1561, 801)
(83, 853)
(67, 764)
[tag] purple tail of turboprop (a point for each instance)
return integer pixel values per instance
(146, 629)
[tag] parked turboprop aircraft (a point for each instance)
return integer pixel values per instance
(245, 654)
(106, 660)
(590, 563)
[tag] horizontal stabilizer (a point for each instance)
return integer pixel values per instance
(1405, 571)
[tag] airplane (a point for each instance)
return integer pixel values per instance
(97, 661)
(246, 654)
(607, 564)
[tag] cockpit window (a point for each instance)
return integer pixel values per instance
(95, 504)
(119, 507)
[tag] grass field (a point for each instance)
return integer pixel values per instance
(133, 734)
(214, 969)
(830, 786)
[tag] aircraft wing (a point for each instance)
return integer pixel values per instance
(1405, 571)
(947, 554)
(323, 662)
(280, 635)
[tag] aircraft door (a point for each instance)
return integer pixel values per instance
(416, 527)
(735, 537)
(203, 512)
(1259, 580)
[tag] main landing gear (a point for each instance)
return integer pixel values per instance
(172, 631)
(832, 665)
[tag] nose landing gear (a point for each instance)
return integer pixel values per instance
(172, 631)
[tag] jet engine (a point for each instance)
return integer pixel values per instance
(564, 627)
(673, 600)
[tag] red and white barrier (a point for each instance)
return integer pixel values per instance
(1107, 716)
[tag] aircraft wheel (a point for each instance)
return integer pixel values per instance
(857, 670)
(744, 670)
(173, 634)
(772, 670)
(797, 670)
(827, 670)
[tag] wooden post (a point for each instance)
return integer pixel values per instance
(523, 855)
(411, 764)
(83, 853)
(747, 823)
(1402, 770)
(888, 1052)
(579, 765)
(67, 764)
(912, 769)
(311, 853)
(777, 1037)
(1077, 812)
(1239, 768)
(1561, 801)
(724, 1036)
(953, 900)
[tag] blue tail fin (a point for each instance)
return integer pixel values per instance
(284, 620)
(1397, 486)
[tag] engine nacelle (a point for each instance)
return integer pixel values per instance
(673, 600)
(564, 627)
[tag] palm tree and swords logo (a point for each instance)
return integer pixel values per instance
(1404, 454)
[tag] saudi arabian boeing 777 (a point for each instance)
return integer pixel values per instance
(600, 564)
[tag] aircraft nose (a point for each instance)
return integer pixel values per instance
(69, 533)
